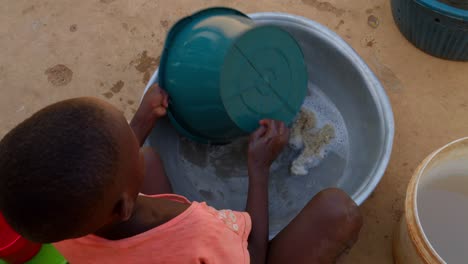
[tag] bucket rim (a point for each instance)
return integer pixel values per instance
(418, 237)
(445, 9)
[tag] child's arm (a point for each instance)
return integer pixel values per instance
(153, 106)
(264, 147)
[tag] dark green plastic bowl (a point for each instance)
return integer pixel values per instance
(437, 27)
(224, 74)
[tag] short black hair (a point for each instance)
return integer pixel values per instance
(54, 166)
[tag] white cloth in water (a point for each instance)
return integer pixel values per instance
(305, 135)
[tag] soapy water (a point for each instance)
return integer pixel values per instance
(317, 102)
(219, 175)
(328, 120)
(327, 113)
(229, 161)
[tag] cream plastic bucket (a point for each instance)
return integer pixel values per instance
(433, 230)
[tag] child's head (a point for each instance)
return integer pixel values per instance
(69, 170)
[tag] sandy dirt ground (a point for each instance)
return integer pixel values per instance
(52, 50)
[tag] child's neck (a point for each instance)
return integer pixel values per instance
(148, 214)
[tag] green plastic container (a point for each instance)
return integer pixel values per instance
(48, 255)
(224, 74)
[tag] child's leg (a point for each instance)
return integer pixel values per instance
(324, 229)
(156, 180)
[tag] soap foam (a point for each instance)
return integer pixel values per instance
(327, 113)
(230, 161)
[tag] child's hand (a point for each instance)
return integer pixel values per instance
(155, 102)
(266, 144)
(264, 147)
(153, 107)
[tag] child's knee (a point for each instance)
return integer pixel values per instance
(339, 209)
(343, 205)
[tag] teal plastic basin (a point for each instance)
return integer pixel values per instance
(224, 74)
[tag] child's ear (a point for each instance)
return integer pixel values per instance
(124, 208)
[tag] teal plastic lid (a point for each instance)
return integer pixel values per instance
(264, 75)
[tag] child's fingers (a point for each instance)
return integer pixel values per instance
(154, 87)
(161, 91)
(165, 101)
(259, 132)
(271, 129)
(280, 127)
(160, 111)
(284, 136)
(267, 122)
(165, 97)
(264, 122)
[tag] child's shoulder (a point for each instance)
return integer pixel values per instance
(169, 196)
(199, 221)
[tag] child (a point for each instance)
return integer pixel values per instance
(72, 175)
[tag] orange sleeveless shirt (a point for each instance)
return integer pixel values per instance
(200, 234)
